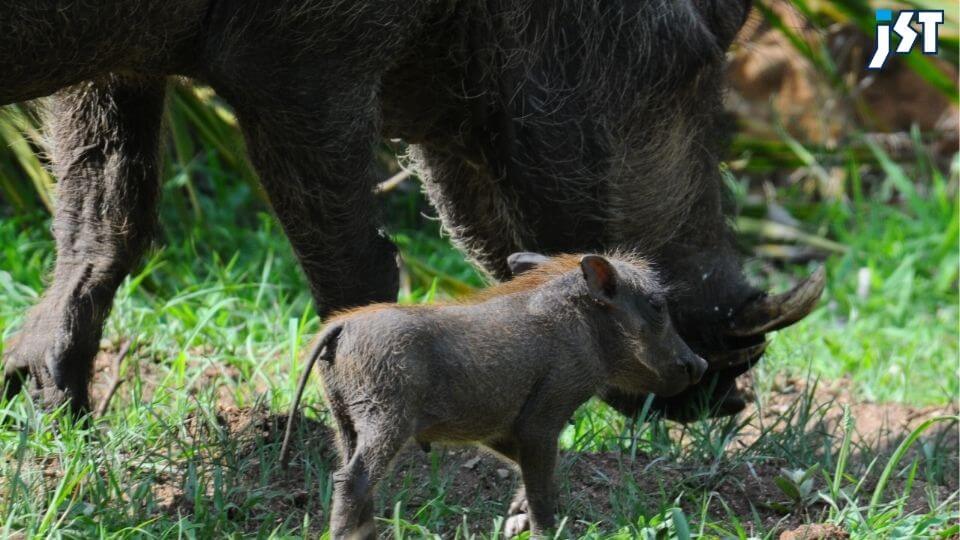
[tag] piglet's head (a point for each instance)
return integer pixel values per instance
(638, 341)
(730, 335)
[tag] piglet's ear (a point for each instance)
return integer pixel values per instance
(600, 276)
(523, 261)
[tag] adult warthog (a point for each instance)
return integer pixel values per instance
(561, 126)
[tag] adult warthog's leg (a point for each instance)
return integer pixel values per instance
(314, 156)
(105, 140)
(480, 213)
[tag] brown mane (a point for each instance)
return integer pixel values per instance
(528, 280)
(542, 273)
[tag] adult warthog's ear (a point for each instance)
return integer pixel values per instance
(523, 261)
(601, 278)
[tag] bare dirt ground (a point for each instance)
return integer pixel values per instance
(481, 486)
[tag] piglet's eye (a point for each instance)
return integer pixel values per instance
(653, 309)
(658, 305)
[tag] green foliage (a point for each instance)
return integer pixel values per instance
(891, 298)
(799, 487)
(21, 167)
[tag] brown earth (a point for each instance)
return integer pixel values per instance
(594, 485)
(772, 81)
(817, 531)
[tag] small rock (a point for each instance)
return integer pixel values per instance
(863, 283)
(816, 531)
(503, 473)
(469, 464)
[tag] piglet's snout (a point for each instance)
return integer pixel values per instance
(695, 367)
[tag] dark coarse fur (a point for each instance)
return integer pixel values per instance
(556, 126)
(505, 369)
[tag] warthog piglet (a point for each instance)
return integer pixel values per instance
(504, 369)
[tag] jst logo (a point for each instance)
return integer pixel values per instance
(929, 22)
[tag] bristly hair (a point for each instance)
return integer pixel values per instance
(595, 125)
(530, 279)
(542, 273)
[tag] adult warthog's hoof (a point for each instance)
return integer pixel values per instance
(25, 369)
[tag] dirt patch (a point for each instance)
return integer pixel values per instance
(595, 487)
(818, 531)
(217, 376)
(874, 424)
(773, 83)
(609, 488)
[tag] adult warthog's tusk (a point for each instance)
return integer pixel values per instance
(769, 313)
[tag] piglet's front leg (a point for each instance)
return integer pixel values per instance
(538, 461)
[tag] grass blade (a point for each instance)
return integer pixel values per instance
(898, 455)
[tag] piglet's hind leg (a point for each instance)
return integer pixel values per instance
(354, 484)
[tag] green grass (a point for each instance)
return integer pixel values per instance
(221, 299)
(896, 337)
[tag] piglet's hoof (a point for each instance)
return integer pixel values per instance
(515, 525)
(519, 505)
(517, 518)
